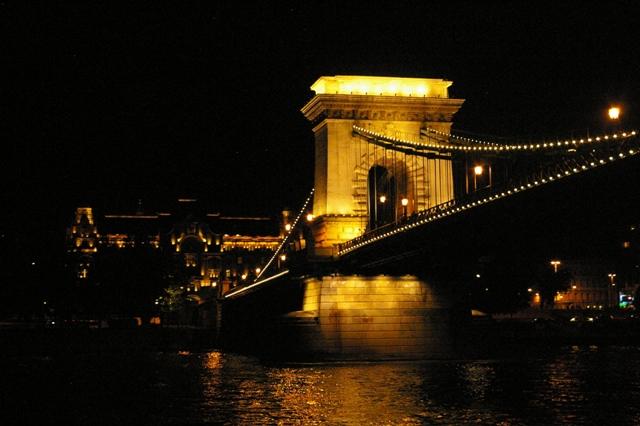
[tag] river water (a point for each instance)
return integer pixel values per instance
(596, 385)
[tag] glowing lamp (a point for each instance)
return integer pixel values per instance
(614, 113)
(287, 227)
(405, 202)
(383, 198)
(478, 170)
(310, 217)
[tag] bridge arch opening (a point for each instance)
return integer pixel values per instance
(382, 200)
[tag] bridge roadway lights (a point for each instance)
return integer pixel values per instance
(364, 240)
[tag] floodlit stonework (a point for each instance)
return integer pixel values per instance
(392, 106)
(376, 318)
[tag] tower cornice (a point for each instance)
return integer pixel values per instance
(375, 107)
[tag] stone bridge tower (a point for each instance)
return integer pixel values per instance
(393, 106)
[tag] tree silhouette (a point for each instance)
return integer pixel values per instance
(129, 281)
(550, 282)
(499, 284)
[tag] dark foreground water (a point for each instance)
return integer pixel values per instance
(598, 385)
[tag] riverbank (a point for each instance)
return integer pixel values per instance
(481, 338)
(491, 336)
(45, 341)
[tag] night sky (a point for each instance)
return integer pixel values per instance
(107, 104)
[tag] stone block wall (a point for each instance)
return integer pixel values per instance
(381, 317)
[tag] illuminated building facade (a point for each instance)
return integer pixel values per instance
(199, 250)
(82, 242)
(595, 286)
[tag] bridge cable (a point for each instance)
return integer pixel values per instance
(548, 173)
(288, 236)
(398, 143)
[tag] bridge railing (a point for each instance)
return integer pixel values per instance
(572, 163)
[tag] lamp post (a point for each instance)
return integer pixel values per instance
(405, 203)
(477, 171)
(614, 113)
(380, 213)
(555, 264)
(612, 288)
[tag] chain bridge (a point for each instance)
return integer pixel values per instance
(402, 207)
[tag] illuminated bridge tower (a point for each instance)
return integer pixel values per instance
(351, 175)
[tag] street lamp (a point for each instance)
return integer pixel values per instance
(281, 260)
(614, 116)
(405, 203)
(614, 112)
(477, 171)
(612, 279)
(383, 198)
(555, 264)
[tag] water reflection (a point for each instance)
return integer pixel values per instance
(559, 389)
(571, 385)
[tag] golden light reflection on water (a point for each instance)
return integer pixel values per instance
(346, 394)
(318, 394)
(342, 394)
(213, 360)
(550, 390)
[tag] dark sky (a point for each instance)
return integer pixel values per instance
(106, 104)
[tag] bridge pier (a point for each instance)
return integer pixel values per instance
(377, 317)
(348, 317)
